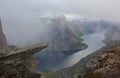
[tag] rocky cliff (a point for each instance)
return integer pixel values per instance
(62, 35)
(109, 66)
(92, 61)
(102, 70)
(3, 41)
(18, 62)
(113, 37)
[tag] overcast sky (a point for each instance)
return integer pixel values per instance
(103, 9)
(19, 15)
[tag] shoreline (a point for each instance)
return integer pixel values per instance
(74, 69)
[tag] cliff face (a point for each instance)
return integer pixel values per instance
(113, 37)
(65, 35)
(63, 39)
(18, 62)
(3, 41)
(109, 68)
(85, 65)
(91, 62)
(110, 64)
(62, 35)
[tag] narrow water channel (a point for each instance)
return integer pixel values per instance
(56, 60)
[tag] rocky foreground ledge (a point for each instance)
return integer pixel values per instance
(19, 62)
(109, 67)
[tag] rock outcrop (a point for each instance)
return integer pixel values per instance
(112, 37)
(109, 68)
(3, 41)
(62, 35)
(92, 61)
(18, 62)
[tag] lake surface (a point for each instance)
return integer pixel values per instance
(54, 61)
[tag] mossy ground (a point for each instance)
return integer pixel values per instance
(49, 74)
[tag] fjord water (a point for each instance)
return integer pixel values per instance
(54, 61)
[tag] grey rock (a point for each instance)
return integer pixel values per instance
(3, 41)
(18, 62)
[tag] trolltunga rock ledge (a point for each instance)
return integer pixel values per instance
(18, 62)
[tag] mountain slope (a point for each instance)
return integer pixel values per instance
(92, 61)
(109, 68)
(61, 36)
(64, 34)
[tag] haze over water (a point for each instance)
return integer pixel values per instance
(48, 62)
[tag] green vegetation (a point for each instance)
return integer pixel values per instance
(77, 68)
(77, 36)
(49, 74)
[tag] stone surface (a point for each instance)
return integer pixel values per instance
(109, 68)
(3, 41)
(18, 62)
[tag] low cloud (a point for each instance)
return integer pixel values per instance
(20, 18)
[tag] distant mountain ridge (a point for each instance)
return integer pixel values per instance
(112, 40)
(65, 34)
(62, 36)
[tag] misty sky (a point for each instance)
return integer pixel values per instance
(107, 9)
(21, 15)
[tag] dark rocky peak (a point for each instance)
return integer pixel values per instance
(3, 41)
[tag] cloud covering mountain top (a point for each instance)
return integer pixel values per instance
(102, 9)
(21, 18)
